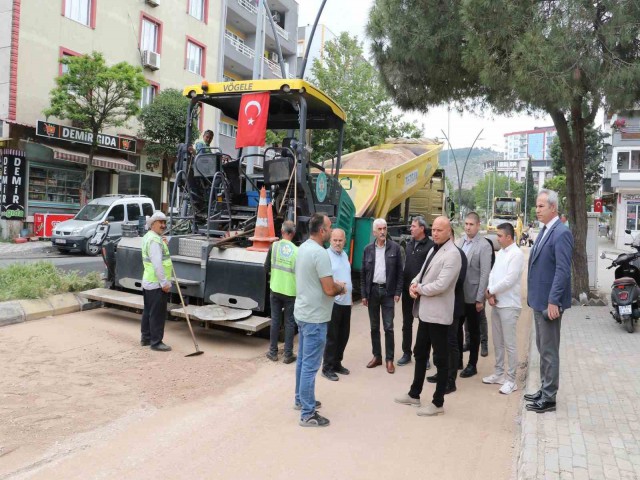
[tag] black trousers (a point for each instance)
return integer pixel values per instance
(454, 350)
(472, 317)
(153, 315)
(407, 322)
(337, 336)
(378, 302)
(436, 335)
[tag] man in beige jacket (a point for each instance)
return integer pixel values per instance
(434, 291)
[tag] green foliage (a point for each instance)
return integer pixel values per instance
(42, 279)
(468, 199)
(593, 158)
(163, 123)
(345, 75)
(532, 193)
(487, 188)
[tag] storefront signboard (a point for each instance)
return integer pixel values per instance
(71, 134)
(13, 179)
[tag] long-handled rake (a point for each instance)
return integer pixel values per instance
(186, 314)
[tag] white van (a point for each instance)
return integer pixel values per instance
(74, 234)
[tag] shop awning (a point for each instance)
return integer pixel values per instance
(119, 164)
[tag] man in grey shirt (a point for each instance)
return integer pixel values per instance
(314, 291)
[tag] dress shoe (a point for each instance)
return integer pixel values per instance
(289, 359)
(375, 361)
(484, 351)
(433, 378)
(470, 371)
(390, 367)
(428, 364)
(341, 370)
(272, 356)
(451, 387)
(330, 375)
(541, 406)
(533, 397)
(465, 347)
(145, 343)
(161, 347)
(406, 358)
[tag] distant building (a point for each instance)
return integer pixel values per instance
(317, 51)
(518, 147)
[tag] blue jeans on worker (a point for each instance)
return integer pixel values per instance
(280, 304)
(311, 341)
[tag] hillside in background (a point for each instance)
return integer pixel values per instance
(473, 172)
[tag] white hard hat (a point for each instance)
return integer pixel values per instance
(158, 215)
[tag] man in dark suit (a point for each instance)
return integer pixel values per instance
(549, 293)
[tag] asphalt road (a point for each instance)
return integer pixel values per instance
(81, 263)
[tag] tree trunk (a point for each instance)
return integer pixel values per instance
(573, 150)
(86, 188)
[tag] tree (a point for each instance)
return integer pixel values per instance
(487, 188)
(163, 123)
(562, 57)
(468, 200)
(345, 75)
(95, 97)
(595, 147)
(531, 192)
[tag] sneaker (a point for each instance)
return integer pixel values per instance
(494, 378)
(161, 347)
(288, 358)
(407, 400)
(508, 387)
(272, 356)
(342, 371)
(298, 406)
(430, 411)
(404, 360)
(330, 375)
(428, 364)
(315, 420)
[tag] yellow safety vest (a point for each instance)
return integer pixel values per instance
(149, 274)
(283, 264)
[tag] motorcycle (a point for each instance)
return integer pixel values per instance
(625, 292)
(525, 239)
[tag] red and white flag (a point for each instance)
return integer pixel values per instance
(252, 120)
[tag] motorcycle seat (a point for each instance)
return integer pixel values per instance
(624, 281)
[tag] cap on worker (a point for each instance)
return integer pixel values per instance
(158, 215)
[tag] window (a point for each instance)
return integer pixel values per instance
(81, 11)
(301, 48)
(133, 212)
(55, 185)
(196, 53)
(148, 94)
(147, 209)
(64, 52)
(628, 161)
(199, 9)
(632, 215)
(228, 130)
(150, 34)
(225, 78)
(117, 212)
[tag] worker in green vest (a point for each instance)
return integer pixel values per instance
(155, 283)
(283, 292)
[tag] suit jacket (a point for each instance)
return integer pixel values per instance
(458, 309)
(549, 276)
(393, 268)
(478, 269)
(435, 303)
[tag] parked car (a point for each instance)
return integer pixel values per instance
(74, 235)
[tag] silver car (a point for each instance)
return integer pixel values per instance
(74, 235)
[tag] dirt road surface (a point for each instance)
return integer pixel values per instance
(80, 399)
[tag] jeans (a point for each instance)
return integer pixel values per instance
(407, 322)
(337, 336)
(278, 304)
(153, 315)
(311, 340)
(379, 301)
(503, 328)
(436, 335)
(472, 317)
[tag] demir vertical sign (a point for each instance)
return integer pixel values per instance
(13, 174)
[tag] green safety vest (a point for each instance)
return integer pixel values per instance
(283, 264)
(149, 274)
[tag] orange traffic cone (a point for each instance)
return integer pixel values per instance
(272, 226)
(261, 240)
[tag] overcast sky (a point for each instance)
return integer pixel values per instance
(351, 16)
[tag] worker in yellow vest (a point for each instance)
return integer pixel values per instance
(283, 292)
(155, 283)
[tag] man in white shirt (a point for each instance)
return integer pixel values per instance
(503, 294)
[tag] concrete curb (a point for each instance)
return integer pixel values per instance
(19, 311)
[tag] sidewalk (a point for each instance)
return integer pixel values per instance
(25, 249)
(595, 432)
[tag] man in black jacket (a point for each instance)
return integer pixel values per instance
(415, 255)
(381, 285)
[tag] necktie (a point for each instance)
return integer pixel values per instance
(544, 229)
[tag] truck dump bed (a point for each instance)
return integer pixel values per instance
(384, 176)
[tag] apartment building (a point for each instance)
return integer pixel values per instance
(518, 147)
(177, 42)
(621, 179)
(317, 50)
(239, 49)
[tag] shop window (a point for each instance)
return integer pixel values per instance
(81, 11)
(54, 185)
(151, 186)
(117, 212)
(632, 216)
(150, 34)
(195, 57)
(133, 212)
(129, 183)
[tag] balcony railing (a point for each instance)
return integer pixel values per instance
(274, 67)
(249, 6)
(240, 46)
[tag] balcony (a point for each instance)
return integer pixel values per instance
(239, 57)
(253, 9)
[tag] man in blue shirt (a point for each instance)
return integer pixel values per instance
(340, 324)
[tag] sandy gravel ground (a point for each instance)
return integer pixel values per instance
(80, 399)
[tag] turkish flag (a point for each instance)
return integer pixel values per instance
(252, 120)
(597, 205)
